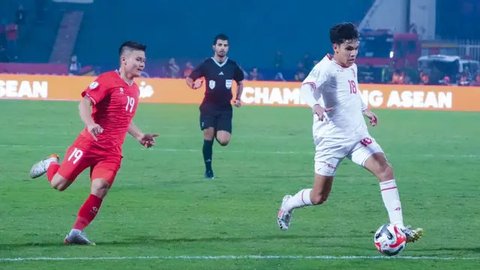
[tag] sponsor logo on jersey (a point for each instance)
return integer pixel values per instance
(93, 85)
(228, 84)
(211, 84)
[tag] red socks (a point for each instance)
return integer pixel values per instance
(87, 212)
(52, 170)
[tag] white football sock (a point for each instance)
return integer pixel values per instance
(391, 199)
(301, 199)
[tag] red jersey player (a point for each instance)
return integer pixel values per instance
(107, 109)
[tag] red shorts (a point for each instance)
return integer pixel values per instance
(102, 164)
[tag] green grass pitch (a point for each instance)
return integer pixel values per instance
(162, 214)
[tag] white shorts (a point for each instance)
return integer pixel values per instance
(329, 152)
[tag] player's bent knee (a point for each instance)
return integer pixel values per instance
(223, 142)
(60, 186)
(318, 199)
(100, 188)
(59, 183)
(385, 173)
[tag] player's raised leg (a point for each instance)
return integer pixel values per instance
(50, 166)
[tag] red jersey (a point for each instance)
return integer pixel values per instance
(114, 106)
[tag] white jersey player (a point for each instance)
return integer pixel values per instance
(339, 131)
(342, 131)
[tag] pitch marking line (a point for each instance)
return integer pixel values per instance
(235, 257)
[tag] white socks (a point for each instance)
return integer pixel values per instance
(301, 199)
(391, 199)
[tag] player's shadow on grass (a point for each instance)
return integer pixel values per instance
(148, 240)
(142, 240)
(13, 246)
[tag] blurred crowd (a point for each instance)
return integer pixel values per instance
(465, 78)
(10, 31)
(13, 26)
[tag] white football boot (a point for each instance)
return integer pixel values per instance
(77, 237)
(412, 234)
(284, 217)
(40, 168)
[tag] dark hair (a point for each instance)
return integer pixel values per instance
(343, 31)
(221, 37)
(131, 45)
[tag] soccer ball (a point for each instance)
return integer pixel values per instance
(389, 240)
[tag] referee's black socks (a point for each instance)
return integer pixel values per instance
(207, 154)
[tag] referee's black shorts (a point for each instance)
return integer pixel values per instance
(218, 118)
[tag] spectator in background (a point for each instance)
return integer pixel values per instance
(300, 74)
(424, 78)
(398, 77)
(279, 77)
(463, 81)
(74, 66)
(173, 69)
(254, 75)
(20, 15)
(11, 31)
(278, 66)
(476, 82)
(278, 62)
(188, 69)
(446, 80)
(20, 20)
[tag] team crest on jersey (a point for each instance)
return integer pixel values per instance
(228, 84)
(211, 84)
(353, 71)
(122, 91)
(93, 85)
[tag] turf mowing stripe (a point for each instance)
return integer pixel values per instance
(235, 257)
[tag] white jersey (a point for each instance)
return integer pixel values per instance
(337, 87)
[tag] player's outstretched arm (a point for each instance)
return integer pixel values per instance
(371, 116)
(85, 111)
(145, 139)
